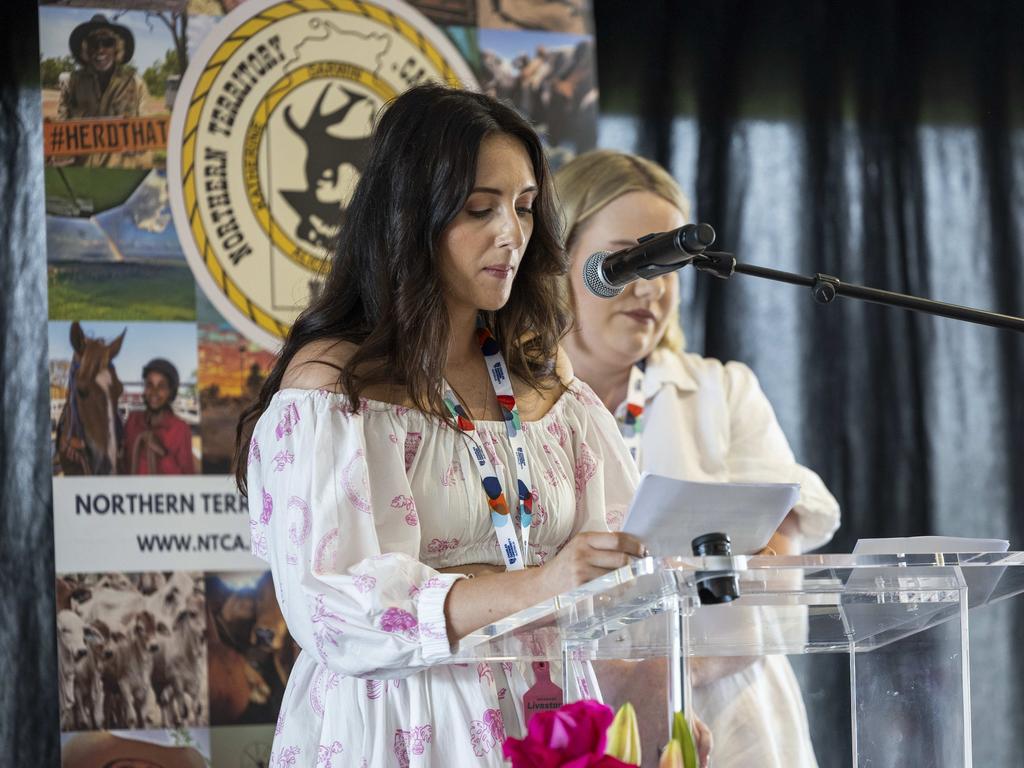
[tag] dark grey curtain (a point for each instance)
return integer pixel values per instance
(881, 142)
(28, 655)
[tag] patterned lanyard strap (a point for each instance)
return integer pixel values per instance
(511, 549)
(631, 417)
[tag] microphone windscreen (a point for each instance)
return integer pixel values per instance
(593, 277)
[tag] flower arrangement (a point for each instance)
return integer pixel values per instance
(587, 734)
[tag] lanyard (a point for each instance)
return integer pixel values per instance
(630, 415)
(511, 550)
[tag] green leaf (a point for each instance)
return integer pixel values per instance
(681, 733)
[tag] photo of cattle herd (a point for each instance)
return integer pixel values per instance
(169, 650)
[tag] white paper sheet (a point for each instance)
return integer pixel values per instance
(668, 514)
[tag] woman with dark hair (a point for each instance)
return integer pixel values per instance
(417, 445)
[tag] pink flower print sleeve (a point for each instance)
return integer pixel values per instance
(344, 600)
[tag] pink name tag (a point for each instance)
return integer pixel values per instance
(544, 694)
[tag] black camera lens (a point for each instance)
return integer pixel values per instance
(715, 587)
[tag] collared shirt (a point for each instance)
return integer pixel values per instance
(707, 421)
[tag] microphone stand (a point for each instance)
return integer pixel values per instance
(825, 288)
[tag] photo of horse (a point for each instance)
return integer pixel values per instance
(123, 398)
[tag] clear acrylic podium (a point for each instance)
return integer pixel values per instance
(898, 625)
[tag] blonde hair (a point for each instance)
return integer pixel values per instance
(588, 183)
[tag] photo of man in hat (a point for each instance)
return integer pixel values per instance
(102, 85)
(156, 441)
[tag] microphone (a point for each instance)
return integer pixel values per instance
(607, 274)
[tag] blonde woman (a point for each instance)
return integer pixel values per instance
(689, 417)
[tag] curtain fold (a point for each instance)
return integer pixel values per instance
(28, 650)
(883, 143)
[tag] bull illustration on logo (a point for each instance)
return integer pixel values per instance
(321, 205)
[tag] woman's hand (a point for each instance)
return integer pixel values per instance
(786, 539)
(703, 741)
(489, 596)
(589, 555)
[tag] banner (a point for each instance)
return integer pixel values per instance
(199, 157)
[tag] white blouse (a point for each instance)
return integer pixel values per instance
(710, 422)
(355, 514)
(705, 421)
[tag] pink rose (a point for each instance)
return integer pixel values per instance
(572, 736)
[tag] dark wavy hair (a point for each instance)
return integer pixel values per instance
(383, 291)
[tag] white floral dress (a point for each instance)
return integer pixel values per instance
(355, 513)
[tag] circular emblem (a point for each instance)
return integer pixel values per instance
(269, 134)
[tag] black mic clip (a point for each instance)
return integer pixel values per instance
(721, 265)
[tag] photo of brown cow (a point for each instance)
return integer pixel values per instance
(250, 651)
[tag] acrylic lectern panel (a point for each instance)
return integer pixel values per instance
(896, 628)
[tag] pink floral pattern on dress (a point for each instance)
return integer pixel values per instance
(300, 521)
(412, 446)
(431, 583)
(282, 459)
(286, 758)
(325, 754)
(585, 394)
(585, 469)
(257, 540)
(613, 518)
(432, 631)
(377, 688)
(326, 552)
(409, 505)
(484, 672)
(540, 512)
(440, 546)
(487, 438)
(254, 451)
(323, 681)
(401, 622)
(412, 742)
(364, 582)
(451, 474)
(356, 495)
(330, 626)
(559, 432)
(279, 726)
(268, 507)
(287, 421)
(487, 733)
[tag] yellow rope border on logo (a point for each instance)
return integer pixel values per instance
(317, 70)
(205, 82)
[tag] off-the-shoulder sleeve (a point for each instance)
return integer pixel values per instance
(604, 473)
(323, 488)
(759, 452)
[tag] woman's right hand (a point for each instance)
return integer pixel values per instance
(589, 555)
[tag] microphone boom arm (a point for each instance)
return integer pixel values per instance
(825, 288)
